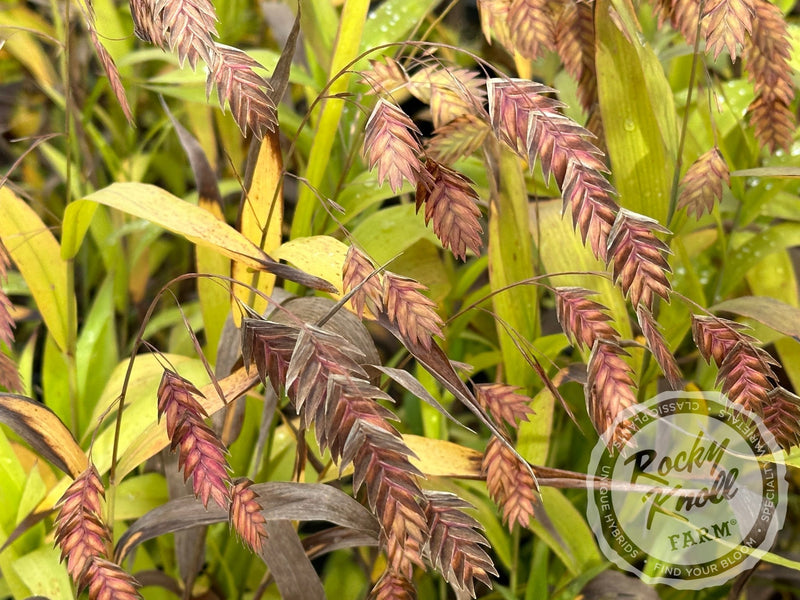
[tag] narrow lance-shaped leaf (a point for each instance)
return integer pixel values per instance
(260, 216)
(36, 254)
(197, 225)
(280, 501)
(44, 431)
(385, 76)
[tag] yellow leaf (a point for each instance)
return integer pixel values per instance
(170, 212)
(214, 297)
(320, 255)
(43, 431)
(440, 458)
(25, 47)
(261, 220)
(37, 255)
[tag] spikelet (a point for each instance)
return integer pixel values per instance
(410, 310)
(494, 22)
(767, 54)
(85, 541)
(459, 138)
(456, 543)
(189, 27)
(638, 257)
(391, 142)
(746, 376)
(380, 462)
(532, 28)
(701, 186)
(773, 123)
(107, 581)
(242, 89)
(745, 370)
(245, 515)
(393, 586)
(727, 22)
(575, 42)
(80, 531)
(510, 484)
(357, 268)
(504, 402)
(583, 320)
(384, 76)
(269, 346)
(147, 23)
(609, 391)
(530, 123)
(329, 389)
(658, 346)
(782, 417)
(318, 356)
(110, 67)
(450, 202)
(715, 337)
(200, 452)
(684, 17)
(451, 93)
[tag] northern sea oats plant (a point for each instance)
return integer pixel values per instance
(563, 249)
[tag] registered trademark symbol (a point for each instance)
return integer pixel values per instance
(733, 522)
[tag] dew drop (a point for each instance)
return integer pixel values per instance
(629, 125)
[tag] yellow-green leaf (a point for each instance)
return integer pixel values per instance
(25, 47)
(77, 219)
(319, 255)
(170, 212)
(637, 110)
(261, 219)
(511, 261)
(37, 255)
(440, 458)
(43, 431)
